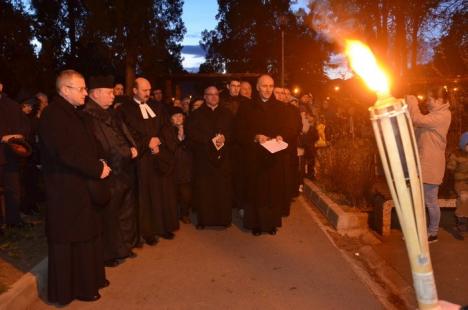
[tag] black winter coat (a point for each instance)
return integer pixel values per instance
(12, 121)
(70, 158)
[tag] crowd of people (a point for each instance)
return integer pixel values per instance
(123, 171)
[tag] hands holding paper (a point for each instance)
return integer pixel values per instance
(272, 145)
(262, 138)
(219, 141)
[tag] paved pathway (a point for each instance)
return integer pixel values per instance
(231, 269)
(449, 260)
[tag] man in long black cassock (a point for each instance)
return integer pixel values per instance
(13, 125)
(145, 119)
(209, 132)
(233, 101)
(119, 149)
(292, 127)
(71, 165)
(259, 122)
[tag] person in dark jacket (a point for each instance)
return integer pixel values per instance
(258, 123)
(145, 120)
(73, 171)
(119, 149)
(13, 125)
(175, 142)
(209, 132)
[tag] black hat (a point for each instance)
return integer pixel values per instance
(101, 81)
(30, 101)
(20, 147)
(175, 110)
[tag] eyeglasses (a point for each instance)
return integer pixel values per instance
(80, 89)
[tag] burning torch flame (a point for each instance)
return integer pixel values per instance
(363, 62)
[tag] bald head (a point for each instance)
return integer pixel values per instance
(265, 85)
(141, 89)
(211, 96)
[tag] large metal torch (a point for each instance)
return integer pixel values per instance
(398, 151)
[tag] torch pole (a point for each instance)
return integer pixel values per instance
(396, 142)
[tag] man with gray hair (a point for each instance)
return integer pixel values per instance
(73, 171)
(257, 123)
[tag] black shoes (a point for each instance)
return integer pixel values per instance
(432, 239)
(106, 283)
(168, 236)
(256, 232)
(89, 298)
(132, 255)
(111, 263)
(151, 241)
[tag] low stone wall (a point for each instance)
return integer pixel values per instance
(344, 219)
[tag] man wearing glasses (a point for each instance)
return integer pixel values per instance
(71, 162)
(209, 131)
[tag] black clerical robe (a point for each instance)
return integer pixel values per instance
(266, 182)
(212, 190)
(155, 216)
(70, 158)
(119, 218)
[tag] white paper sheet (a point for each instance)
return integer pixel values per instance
(274, 146)
(214, 143)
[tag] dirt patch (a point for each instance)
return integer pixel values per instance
(21, 250)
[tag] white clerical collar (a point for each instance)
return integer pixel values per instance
(145, 109)
(264, 100)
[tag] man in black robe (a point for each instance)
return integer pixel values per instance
(72, 169)
(119, 149)
(145, 119)
(13, 125)
(292, 128)
(257, 123)
(209, 132)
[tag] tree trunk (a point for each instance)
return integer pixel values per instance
(130, 62)
(414, 41)
(71, 21)
(400, 40)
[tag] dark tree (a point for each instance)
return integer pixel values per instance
(122, 36)
(17, 58)
(50, 31)
(248, 39)
(144, 37)
(451, 55)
